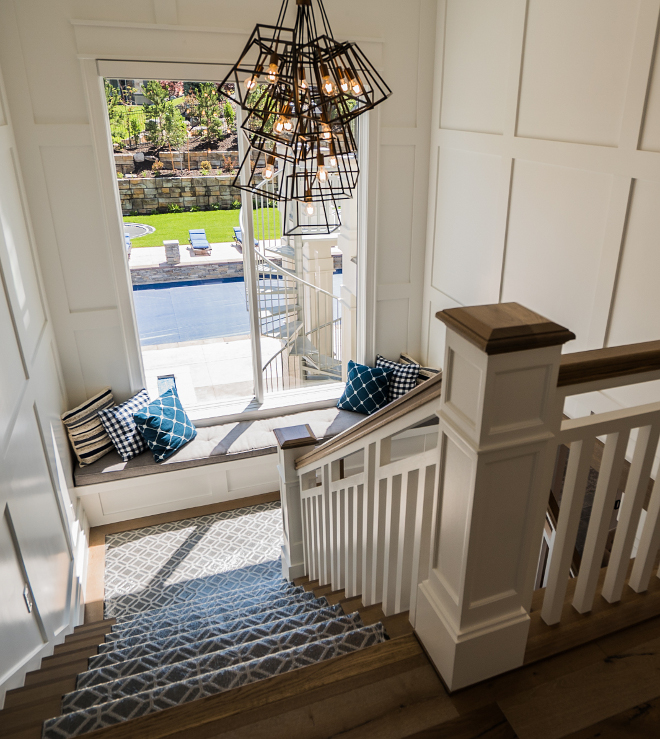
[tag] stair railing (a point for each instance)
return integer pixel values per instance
(305, 317)
(452, 530)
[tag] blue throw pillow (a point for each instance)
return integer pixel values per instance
(165, 425)
(367, 389)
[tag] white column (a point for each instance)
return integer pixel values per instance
(499, 415)
(293, 443)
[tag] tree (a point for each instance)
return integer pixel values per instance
(116, 114)
(155, 113)
(174, 88)
(207, 109)
(230, 117)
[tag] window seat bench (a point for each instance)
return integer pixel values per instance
(224, 462)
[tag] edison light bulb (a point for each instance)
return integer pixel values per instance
(309, 208)
(322, 174)
(269, 169)
(343, 82)
(251, 82)
(357, 87)
(303, 81)
(279, 126)
(327, 133)
(288, 126)
(328, 84)
(273, 69)
(333, 156)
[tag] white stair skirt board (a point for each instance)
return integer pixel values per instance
(124, 500)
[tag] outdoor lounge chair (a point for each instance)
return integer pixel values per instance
(198, 241)
(238, 237)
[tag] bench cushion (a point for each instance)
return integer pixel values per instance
(219, 444)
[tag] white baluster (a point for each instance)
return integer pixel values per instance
(368, 515)
(349, 549)
(599, 523)
(407, 535)
(631, 507)
(572, 501)
(423, 524)
(325, 576)
(648, 545)
(391, 541)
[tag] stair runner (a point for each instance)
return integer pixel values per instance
(204, 641)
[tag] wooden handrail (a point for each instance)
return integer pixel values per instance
(421, 395)
(603, 364)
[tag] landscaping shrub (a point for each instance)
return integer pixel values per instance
(226, 163)
(157, 167)
(174, 208)
(120, 175)
(205, 168)
(236, 205)
(194, 209)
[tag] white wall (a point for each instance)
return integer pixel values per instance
(48, 45)
(545, 181)
(41, 543)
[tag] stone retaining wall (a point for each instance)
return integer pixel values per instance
(148, 194)
(157, 274)
(218, 160)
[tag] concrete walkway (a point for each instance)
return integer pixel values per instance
(152, 256)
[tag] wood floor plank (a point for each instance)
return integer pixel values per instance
(639, 722)
(487, 722)
(585, 697)
(525, 678)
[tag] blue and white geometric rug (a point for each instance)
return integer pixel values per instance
(175, 562)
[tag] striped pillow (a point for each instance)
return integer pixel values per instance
(425, 373)
(88, 437)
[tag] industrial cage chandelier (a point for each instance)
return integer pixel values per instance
(301, 92)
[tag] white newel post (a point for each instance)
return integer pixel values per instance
(292, 443)
(499, 414)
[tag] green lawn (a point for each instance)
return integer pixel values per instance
(218, 225)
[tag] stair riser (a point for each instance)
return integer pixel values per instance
(80, 722)
(142, 647)
(152, 661)
(209, 663)
(125, 637)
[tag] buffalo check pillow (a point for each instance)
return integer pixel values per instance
(404, 376)
(366, 389)
(118, 422)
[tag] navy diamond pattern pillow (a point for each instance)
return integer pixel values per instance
(165, 425)
(404, 379)
(120, 426)
(367, 389)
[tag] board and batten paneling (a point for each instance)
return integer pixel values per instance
(569, 103)
(38, 523)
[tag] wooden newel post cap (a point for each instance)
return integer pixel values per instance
(504, 327)
(295, 436)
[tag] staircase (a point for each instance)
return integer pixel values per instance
(201, 647)
(303, 316)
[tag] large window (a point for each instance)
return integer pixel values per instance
(225, 315)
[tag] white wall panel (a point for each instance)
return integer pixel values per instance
(575, 71)
(17, 257)
(557, 224)
(101, 357)
(651, 132)
(395, 214)
(393, 317)
(37, 521)
(636, 311)
(21, 635)
(476, 62)
(82, 238)
(467, 262)
(12, 370)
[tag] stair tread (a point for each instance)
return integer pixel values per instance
(114, 670)
(203, 664)
(166, 617)
(142, 647)
(116, 641)
(196, 688)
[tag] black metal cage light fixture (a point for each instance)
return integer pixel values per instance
(301, 91)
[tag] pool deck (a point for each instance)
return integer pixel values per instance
(154, 256)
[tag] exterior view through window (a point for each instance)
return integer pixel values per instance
(176, 152)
